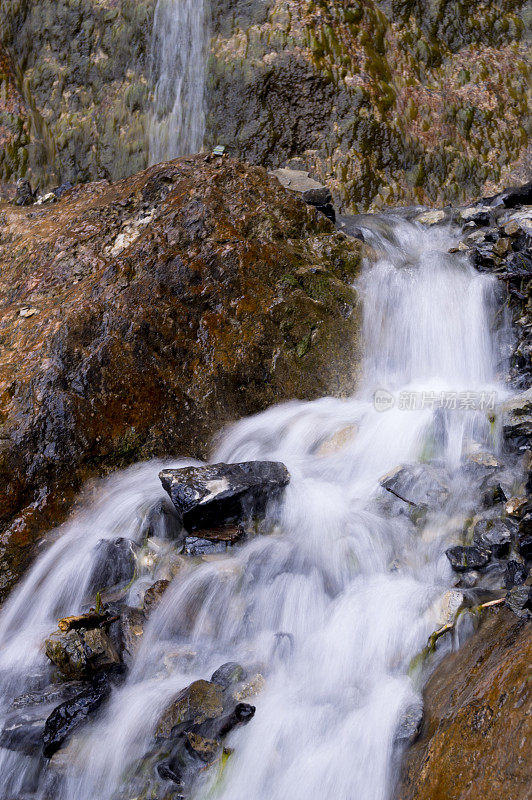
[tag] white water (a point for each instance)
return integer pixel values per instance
(178, 53)
(345, 572)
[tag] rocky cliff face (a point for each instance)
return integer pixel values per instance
(388, 102)
(138, 318)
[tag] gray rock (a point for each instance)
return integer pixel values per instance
(517, 419)
(116, 561)
(418, 484)
(317, 197)
(228, 674)
(515, 574)
(409, 725)
(519, 600)
(494, 535)
(213, 495)
(25, 721)
(463, 559)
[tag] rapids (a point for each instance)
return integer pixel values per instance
(342, 567)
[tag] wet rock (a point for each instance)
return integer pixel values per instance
(514, 196)
(465, 558)
(519, 600)
(525, 547)
(209, 496)
(73, 712)
(228, 674)
(420, 485)
(154, 595)
(26, 719)
(24, 195)
(163, 522)
(409, 725)
(494, 535)
(196, 703)
(480, 215)
(132, 622)
(317, 197)
(196, 546)
(133, 354)
(517, 506)
(115, 563)
(515, 574)
(477, 726)
(226, 533)
(517, 419)
(434, 217)
(79, 654)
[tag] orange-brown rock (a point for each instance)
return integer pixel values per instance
(138, 318)
(475, 742)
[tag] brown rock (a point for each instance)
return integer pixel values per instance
(477, 727)
(196, 703)
(154, 594)
(78, 654)
(170, 303)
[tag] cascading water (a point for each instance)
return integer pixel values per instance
(345, 575)
(179, 38)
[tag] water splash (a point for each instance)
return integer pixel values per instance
(344, 572)
(178, 53)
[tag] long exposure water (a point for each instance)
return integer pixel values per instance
(178, 52)
(343, 570)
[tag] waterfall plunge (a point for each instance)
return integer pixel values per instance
(345, 572)
(178, 53)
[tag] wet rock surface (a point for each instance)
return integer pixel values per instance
(223, 493)
(138, 318)
(477, 726)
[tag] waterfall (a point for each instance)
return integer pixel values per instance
(345, 571)
(178, 53)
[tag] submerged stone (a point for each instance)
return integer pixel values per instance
(222, 493)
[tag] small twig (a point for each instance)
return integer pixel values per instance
(410, 502)
(492, 603)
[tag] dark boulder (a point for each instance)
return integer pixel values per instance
(75, 711)
(163, 521)
(464, 559)
(515, 574)
(512, 197)
(25, 721)
(519, 600)
(525, 547)
(24, 195)
(222, 493)
(317, 197)
(228, 674)
(494, 535)
(116, 561)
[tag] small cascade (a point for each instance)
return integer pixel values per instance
(178, 53)
(327, 609)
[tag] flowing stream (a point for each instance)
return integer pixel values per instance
(178, 53)
(332, 604)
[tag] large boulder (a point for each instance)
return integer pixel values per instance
(477, 726)
(138, 318)
(220, 493)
